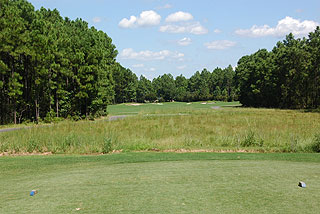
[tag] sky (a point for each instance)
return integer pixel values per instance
(154, 37)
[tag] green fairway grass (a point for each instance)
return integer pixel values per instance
(161, 183)
(161, 108)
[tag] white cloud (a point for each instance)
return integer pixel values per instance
(149, 18)
(179, 16)
(145, 19)
(129, 53)
(185, 41)
(181, 67)
(220, 44)
(138, 66)
(131, 23)
(217, 31)
(96, 20)
(284, 26)
(166, 6)
(193, 28)
(151, 69)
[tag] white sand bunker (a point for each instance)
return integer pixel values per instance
(133, 104)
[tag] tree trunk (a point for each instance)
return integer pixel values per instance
(57, 108)
(15, 114)
(37, 110)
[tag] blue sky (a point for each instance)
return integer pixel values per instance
(154, 37)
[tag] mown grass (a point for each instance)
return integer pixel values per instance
(161, 183)
(181, 127)
(165, 108)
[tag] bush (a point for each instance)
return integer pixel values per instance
(251, 140)
(51, 117)
(90, 117)
(107, 146)
(315, 146)
(33, 145)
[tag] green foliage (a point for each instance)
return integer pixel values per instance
(145, 91)
(165, 87)
(286, 77)
(51, 117)
(33, 146)
(251, 140)
(125, 85)
(107, 146)
(50, 65)
(315, 146)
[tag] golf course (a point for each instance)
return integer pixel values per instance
(136, 161)
(167, 107)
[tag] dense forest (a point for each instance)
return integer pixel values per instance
(54, 67)
(286, 77)
(50, 65)
(205, 85)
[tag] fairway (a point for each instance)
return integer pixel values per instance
(161, 183)
(166, 108)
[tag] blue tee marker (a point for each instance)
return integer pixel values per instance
(33, 192)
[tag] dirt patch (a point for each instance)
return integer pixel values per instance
(12, 154)
(149, 150)
(24, 153)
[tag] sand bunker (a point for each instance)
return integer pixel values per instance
(133, 104)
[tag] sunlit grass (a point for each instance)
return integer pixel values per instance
(161, 183)
(161, 108)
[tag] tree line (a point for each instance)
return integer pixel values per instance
(205, 85)
(54, 67)
(51, 66)
(288, 76)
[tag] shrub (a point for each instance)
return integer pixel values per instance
(107, 146)
(251, 140)
(51, 117)
(33, 145)
(90, 117)
(315, 146)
